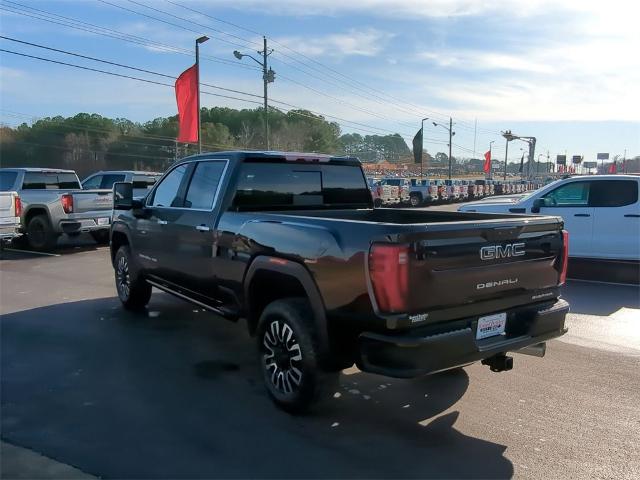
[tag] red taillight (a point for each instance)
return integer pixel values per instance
(389, 271)
(17, 205)
(565, 256)
(379, 190)
(67, 202)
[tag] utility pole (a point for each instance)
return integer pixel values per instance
(268, 76)
(508, 137)
(475, 127)
(450, 143)
(490, 160)
(265, 81)
(451, 134)
(422, 149)
(198, 42)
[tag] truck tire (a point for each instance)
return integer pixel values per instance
(133, 291)
(415, 199)
(40, 235)
(100, 236)
(288, 352)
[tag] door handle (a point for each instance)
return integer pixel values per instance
(634, 215)
(582, 215)
(203, 228)
(162, 222)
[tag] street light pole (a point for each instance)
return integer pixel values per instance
(422, 149)
(451, 134)
(198, 42)
(268, 76)
(508, 137)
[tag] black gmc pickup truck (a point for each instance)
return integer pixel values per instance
(292, 243)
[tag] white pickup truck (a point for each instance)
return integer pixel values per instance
(53, 204)
(10, 208)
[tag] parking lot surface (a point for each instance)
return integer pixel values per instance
(175, 393)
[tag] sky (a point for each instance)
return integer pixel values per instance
(566, 72)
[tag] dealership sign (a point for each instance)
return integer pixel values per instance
(561, 159)
(576, 159)
(603, 156)
(590, 164)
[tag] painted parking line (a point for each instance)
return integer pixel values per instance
(31, 251)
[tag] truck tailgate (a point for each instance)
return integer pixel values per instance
(452, 265)
(92, 201)
(6, 207)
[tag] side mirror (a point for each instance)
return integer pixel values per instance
(538, 203)
(122, 196)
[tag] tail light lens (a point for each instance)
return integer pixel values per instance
(389, 271)
(67, 203)
(565, 257)
(17, 205)
(379, 190)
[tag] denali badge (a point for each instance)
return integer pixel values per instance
(499, 283)
(494, 252)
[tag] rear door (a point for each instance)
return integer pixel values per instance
(571, 202)
(616, 219)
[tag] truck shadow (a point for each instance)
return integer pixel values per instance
(600, 298)
(175, 392)
(19, 249)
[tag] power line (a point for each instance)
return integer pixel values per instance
(107, 32)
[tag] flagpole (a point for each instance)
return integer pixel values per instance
(198, 42)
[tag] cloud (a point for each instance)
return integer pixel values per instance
(363, 42)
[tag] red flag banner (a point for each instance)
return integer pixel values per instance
(613, 168)
(487, 162)
(187, 100)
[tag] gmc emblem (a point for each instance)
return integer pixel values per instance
(494, 252)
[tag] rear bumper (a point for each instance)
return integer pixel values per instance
(85, 222)
(9, 231)
(412, 355)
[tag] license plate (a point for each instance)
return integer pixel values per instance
(491, 325)
(103, 221)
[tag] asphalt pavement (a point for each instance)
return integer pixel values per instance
(175, 393)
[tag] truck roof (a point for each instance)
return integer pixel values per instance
(133, 172)
(270, 155)
(36, 169)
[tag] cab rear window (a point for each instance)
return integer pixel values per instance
(7, 181)
(50, 181)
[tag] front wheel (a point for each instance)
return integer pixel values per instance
(133, 291)
(415, 200)
(289, 356)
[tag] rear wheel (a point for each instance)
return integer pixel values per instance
(289, 356)
(40, 235)
(133, 291)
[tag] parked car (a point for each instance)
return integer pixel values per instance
(481, 191)
(142, 181)
(601, 213)
(376, 191)
(443, 192)
(53, 203)
(10, 209)
(395, 191)
(422, 191)
(472, 189)
(292, 244)
(453, 190)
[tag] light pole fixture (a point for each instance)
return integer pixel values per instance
(508, 137)
(268, 76)
(451, 134)
(199, 41)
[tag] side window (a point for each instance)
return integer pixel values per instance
(109, 180)
(93, 182)
(613, 193)
(574, 194)
(204, 184)
(167, 192)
